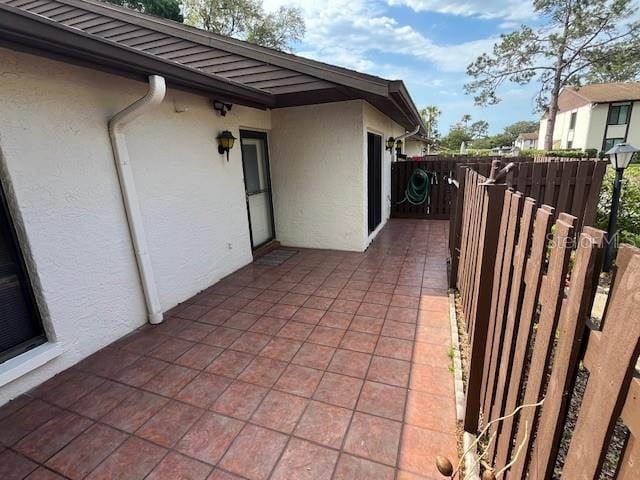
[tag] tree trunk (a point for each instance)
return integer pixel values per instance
(553, 106)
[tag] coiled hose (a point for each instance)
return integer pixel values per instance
(417, 191)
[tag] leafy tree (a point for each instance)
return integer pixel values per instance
(430, 115)
(581, 40)
(479, 129)
(247, 20)
(453, 140)
(466, 118)
(162, 8)
(525, 126)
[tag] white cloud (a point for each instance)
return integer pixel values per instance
(486, 9)
(349, 32)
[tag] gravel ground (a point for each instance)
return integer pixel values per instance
(616, 446)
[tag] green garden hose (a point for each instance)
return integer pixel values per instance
(417, 191)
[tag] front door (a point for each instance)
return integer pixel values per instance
(374, 180)
(257, 182)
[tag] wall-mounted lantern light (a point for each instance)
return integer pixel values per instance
(390, 143)
(221, 107)
(225, 142)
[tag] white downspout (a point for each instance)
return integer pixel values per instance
(408, 134)
(154, 96)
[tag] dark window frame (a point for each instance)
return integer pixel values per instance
(9, 230)
(614, 113)
(606, 147)
(572, 120)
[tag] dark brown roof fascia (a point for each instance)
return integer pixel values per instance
(43, 34)
(331, 73)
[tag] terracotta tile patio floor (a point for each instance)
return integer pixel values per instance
(332, 365)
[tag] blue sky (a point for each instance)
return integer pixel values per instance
(426, 43)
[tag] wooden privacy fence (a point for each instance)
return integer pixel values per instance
(527, 286)
(572, 187)
(442, 192)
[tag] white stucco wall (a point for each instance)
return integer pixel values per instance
(633, 136)
(58, 169)
(542, 131)
(414, 148)
(580, 135)
(318, 166)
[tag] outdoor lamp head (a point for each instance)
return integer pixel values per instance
(621, 154)
(225, 142)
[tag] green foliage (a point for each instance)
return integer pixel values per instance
(430, 115)
(247, 20)
(524, 126)
(629, 213)
(162, 8)
(507, 137)
(579, 41)
(479, 129)
(575, 153)
(453, 140)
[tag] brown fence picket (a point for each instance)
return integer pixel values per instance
(611, 362)
(573, 318)
(484, 240)
(501, 288)
(505, 365)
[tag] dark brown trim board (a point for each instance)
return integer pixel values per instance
(130, 43)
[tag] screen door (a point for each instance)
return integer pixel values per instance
(257, 181)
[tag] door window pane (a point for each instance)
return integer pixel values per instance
(251, 168)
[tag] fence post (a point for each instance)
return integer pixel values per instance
(455, 226)
(487, 248)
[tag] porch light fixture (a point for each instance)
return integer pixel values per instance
(620, 157)
(225, 142)
(390, 143)
(221, 107)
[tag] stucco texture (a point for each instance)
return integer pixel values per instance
(319, 173)
(59, 174)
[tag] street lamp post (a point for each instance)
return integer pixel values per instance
(620, 156)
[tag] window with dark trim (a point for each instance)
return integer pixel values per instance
(609, 143)
(619, 114)
(20, 325)
(572, 121)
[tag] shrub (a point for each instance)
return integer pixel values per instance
(588, 153)
(629, 213)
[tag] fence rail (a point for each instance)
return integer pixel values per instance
(440, 202)
(569, 186)
(527, 283)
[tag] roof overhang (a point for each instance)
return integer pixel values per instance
(25, 31)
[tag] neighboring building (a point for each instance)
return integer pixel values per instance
(596, 116)
(415, 146)
(309, 169)
(527, 141)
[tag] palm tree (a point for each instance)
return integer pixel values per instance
(430, 115)
(466, 118)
